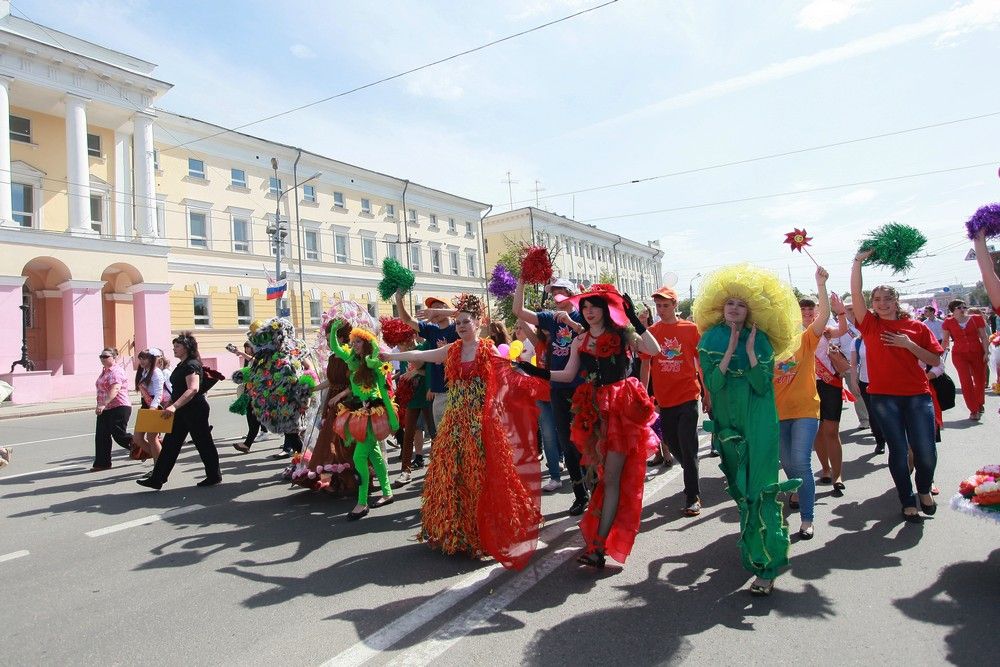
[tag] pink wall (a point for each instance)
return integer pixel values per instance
(10, 321)
(151, 306)
(83, 327)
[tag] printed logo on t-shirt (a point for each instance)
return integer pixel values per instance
(671, 352)
(563, 340)
(786, 371)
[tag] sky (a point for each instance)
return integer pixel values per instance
(631, 91)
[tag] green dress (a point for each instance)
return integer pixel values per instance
(745, 422)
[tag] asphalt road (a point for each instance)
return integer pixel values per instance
(96, 570)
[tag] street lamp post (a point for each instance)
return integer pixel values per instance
(277, 231)
(691, 286)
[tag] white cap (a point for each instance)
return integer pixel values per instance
(155, 351)
(563, 283)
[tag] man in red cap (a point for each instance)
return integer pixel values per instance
(677, 386)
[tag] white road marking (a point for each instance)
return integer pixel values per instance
(65, 437)
(143, 521)
(372, 645)
(41, 472)
(12, 555)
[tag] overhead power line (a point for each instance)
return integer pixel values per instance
(393, 77)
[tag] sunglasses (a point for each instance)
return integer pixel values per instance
(105, 356)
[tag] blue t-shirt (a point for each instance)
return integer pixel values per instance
(560, 339)
(432, 333)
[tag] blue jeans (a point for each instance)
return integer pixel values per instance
(796, 448)
(550, 439)
(908, 424)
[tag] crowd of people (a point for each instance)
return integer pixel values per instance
(593, 387)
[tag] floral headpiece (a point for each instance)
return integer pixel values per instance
(395, 331)
(468, 303)
(365, 334)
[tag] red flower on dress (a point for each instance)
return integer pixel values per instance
(607, 345)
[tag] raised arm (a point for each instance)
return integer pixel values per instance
(404, 315)
(520, 312)
(858, 304)
(990, 279)
(823, 315)
(435, 356)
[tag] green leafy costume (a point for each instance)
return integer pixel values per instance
(745, 423)
(370, 417)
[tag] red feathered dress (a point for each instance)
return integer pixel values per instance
(481, 492)
(613, 413)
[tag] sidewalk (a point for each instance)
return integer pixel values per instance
(86, 403)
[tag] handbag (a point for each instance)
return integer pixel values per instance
(840, 363)
(209, 379)
(944, 387)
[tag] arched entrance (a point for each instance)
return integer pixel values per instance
(45, 311)
(119, 315)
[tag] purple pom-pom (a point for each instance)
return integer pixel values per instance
(986, 219)
(502, 282)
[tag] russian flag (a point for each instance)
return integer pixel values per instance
(277, 290)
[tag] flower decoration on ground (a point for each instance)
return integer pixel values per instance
(979, 494)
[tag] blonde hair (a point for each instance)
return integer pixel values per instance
(771, 304)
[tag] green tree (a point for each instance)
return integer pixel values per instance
(503, 309)
(684, 308)
(978, 295)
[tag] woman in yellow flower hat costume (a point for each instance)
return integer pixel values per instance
(749, 318)
(365, 413)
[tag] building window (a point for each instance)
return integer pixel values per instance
(274, 186)
(20, 129)
(412, 215)
(415, 257)
(156, 159)
(202, 317)
(97, 213)
(368, 251)
(338, 199)
(451, 225)
(244, 311)
(340, 245)
(373, 309)
(434, 222)
(238, 178)
(435, 260)
(366, 206)
(241, 234)
(196, 168)
(161, 216)
(23, 202)
(197, 229)
(468, 229)
(453, 257)
(390, 211)
(470, 263)
(309, 193)
(93, 145)
(312, 245)
(315, 312)
(393, 249)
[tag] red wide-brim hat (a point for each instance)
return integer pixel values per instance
(616, 303)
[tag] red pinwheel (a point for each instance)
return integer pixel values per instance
(798, 240)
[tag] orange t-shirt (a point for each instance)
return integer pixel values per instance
(795, 381)
(674, 370)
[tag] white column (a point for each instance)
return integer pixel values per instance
(6, 212)
(145, 183)
(77, 166)
(123, 187)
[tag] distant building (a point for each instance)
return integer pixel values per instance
(122, 224)
(584, 252)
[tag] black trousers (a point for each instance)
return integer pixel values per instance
(872, 419)
(191, 419)
(112, 424)
(253, 427)
(679, 425)
(561, 400)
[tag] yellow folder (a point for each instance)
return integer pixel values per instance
(152, 421)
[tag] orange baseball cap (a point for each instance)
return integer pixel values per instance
(431, 299)
(665, 293)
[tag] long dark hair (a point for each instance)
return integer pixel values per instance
(365, 376)
(602, 303)
(187, 339)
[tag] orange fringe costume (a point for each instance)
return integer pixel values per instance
(481, 494)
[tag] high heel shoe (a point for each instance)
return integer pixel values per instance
(593, 555)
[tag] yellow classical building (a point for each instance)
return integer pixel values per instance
(122, 224)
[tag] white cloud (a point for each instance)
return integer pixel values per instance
(302, 51)
(862, 196)
(944, 26)
(820, 14)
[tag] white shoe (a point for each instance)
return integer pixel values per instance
(552, 485)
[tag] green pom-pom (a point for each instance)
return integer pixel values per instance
(395, 278)
(307, 380)
(893, 245)
(240, 405)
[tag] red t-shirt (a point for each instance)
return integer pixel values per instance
(966, 341)
(674, 370)
(893, 370)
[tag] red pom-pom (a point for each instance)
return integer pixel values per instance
(395, 331)
(536, 265)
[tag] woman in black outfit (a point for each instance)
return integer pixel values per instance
(190, 410)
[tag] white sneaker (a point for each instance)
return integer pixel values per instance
(402, 480)
(552, 485)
